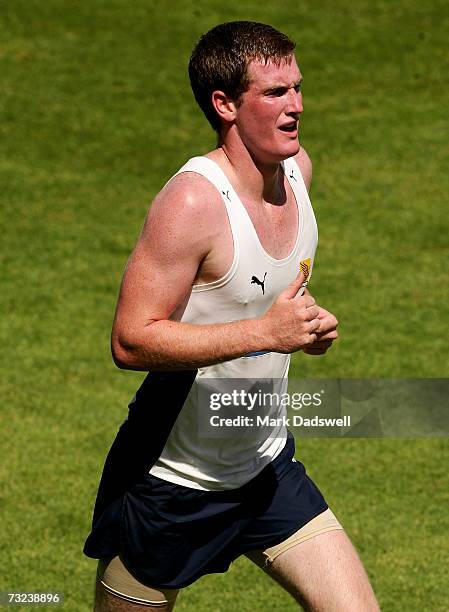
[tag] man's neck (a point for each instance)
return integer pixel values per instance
(256, 181)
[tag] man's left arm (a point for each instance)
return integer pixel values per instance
(327, 332)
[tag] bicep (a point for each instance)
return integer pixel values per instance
(154, 285)
(162, 268)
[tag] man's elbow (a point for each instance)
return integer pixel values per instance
(120, 355)
(121, 358)
(126, 356)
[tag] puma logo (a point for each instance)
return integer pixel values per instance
(292, 176)
(256, 281)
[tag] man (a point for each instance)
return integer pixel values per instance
(215, 291)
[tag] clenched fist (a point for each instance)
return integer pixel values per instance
(292, 323)
(325, 334)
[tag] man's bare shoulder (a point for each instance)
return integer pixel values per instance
(183, 219)
(186, 195)
(305, 165)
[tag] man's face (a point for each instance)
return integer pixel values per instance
(267, 118)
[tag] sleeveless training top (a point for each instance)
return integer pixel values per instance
(197, 454)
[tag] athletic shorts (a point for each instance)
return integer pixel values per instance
(170, 535)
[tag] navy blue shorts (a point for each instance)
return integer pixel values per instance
(169, 535)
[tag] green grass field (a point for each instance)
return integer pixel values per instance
(96, 115)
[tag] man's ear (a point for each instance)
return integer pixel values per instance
(224, 106)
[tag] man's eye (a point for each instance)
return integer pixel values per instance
(279, 92)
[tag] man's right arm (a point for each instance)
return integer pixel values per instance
(177, 237)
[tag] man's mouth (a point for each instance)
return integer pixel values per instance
(289, 127)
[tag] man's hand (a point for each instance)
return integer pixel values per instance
(325, 334)
(292, 322)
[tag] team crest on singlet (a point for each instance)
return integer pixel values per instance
(305, 269)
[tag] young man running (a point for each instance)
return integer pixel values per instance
(215, 291)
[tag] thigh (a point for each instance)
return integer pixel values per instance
(323, 573)
(117, 590)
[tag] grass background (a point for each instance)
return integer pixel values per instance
(96, 115)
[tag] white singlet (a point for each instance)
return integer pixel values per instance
(202, 456)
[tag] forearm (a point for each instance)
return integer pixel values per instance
(172, 345)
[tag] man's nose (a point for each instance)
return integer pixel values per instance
(295, 102)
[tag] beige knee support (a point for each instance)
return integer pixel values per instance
(326, 521)
(117, 580)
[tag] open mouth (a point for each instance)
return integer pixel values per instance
(289, 127)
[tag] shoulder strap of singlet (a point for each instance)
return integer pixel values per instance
(293, 173)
